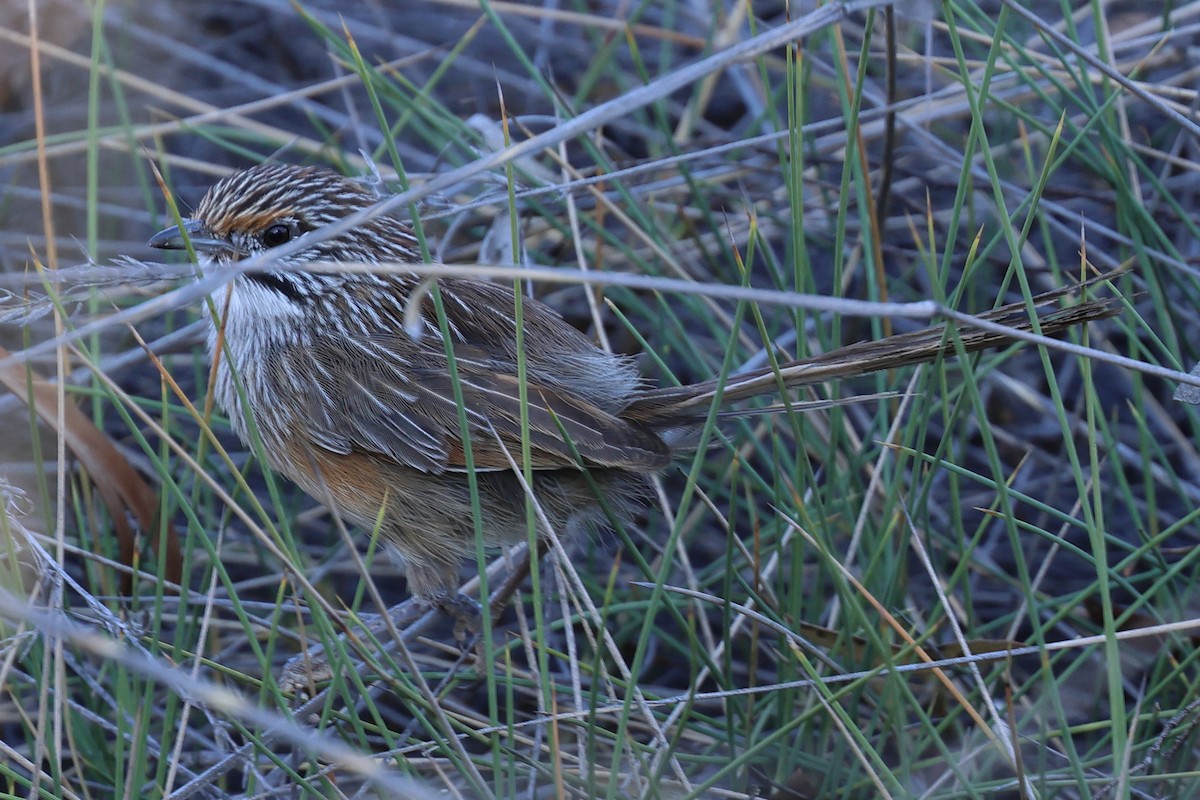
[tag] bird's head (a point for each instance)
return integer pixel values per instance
(258, 209)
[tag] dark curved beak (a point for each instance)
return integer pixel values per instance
(194, 231)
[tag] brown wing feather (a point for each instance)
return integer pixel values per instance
(599, 438)
(383, 393)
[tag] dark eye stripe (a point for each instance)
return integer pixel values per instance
(277, 283)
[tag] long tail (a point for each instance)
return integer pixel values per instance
(687, 404)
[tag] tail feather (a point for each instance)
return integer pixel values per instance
(687, 404)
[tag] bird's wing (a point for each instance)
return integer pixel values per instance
(364, 396)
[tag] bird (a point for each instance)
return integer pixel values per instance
(362, 410)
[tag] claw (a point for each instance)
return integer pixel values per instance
(466, 613)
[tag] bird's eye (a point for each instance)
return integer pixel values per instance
(276, 235)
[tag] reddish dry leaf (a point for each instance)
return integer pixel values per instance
(120, 487)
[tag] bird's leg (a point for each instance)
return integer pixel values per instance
(436, 585)
(466, 612)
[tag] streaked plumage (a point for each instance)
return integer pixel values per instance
(354, 409)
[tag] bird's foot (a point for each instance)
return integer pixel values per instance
(464, 611)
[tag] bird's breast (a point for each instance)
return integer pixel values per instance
(248, 326)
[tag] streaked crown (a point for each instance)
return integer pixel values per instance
(269, 205)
